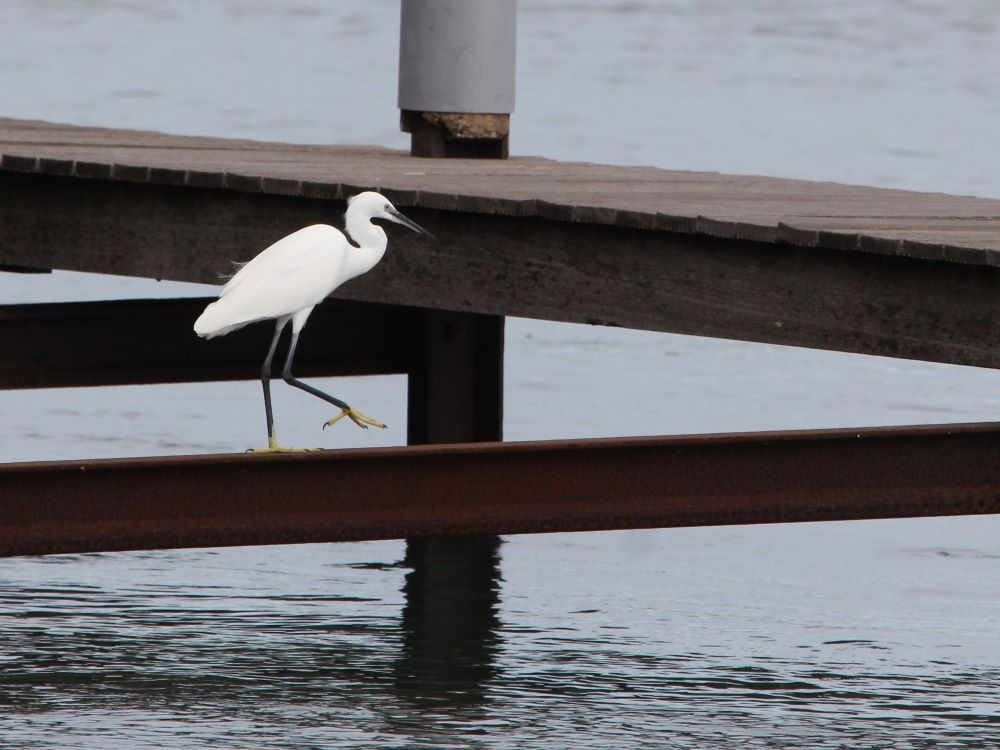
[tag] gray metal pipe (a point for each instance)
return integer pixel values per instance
(457, 56)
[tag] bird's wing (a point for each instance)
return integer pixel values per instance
(285, 254)
(294, 273)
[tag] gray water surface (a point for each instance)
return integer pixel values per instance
(837, 635)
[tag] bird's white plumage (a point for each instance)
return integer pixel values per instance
(295, 273)
(288, 279)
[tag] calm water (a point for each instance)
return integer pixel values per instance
(847, 635)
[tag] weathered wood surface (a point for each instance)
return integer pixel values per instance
(699, 254)
(59, 345)
(809, 214)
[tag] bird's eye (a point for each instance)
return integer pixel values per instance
(387, 206)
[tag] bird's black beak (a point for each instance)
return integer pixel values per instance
(399, 218)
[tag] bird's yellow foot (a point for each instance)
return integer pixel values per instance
(274, 447)
(361, 420)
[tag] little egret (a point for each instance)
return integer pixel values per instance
(288, 279)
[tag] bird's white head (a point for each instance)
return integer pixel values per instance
(371, 205)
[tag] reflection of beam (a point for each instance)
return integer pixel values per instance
(151, 341)
(389, 493)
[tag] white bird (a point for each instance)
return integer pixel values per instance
(288, 279)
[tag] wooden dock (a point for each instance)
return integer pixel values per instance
(781, 261)
(819, 265)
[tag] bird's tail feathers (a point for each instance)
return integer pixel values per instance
(237, 265)
(216, 320)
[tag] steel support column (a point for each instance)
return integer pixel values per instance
(455, 395)
(455, 391)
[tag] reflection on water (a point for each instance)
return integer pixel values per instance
(450, 621)
(250, 648)
(365, 646)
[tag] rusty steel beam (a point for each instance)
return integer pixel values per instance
(150, 341)
(499, 488)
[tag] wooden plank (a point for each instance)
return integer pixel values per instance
(531, 267)
(940, 227)
(151, 341)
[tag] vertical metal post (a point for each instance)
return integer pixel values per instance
(456, 76)
(455, 389)
(456, 93)
(455, 394)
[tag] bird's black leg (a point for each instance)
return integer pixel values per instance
(265, 380)
(357, 417)
(287, 376)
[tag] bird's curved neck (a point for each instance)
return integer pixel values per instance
(371, 242)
